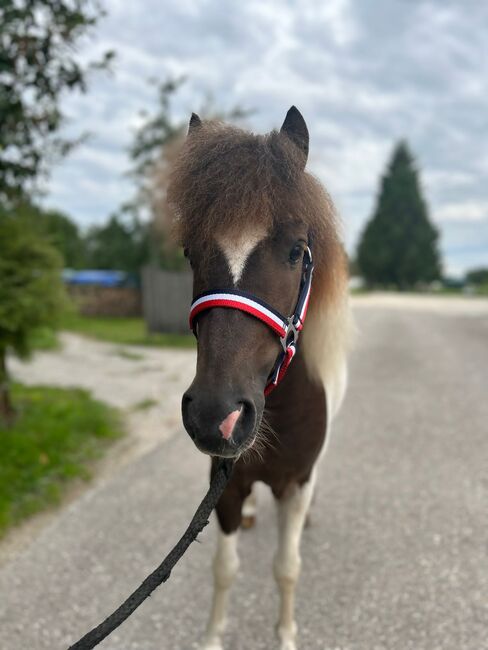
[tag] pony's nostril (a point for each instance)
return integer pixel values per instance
(248, 415)
(186, 399)
(228, 424)
(187, 418)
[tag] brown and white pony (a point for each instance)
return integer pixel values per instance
(246, 211)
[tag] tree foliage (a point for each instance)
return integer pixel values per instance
(155, 146)
(120, 244)
(65, 236)
(398, 247)
(31, 290)
(477, 276)
(38, 62)
(57, 229)
(159, 130)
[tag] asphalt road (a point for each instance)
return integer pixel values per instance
(396, 558)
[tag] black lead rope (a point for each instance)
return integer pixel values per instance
(163, 572)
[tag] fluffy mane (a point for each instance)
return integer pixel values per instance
(225, 177)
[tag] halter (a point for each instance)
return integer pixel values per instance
(288, 329)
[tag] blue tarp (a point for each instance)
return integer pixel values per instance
(95, 277)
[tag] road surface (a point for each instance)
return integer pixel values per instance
(397, 555)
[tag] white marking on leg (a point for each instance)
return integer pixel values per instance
(225, 567)
(249, 508)
(249, 505)
(292, 512)
(237, 249)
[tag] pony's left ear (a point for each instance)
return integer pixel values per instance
(195, 123)
(294, 127)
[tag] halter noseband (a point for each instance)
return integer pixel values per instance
(288, 329)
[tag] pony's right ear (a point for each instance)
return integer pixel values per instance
(195, 123)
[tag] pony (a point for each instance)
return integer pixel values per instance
(250, 220)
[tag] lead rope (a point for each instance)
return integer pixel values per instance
(162, 573)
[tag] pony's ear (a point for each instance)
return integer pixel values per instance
(195, 122)
(294, 127)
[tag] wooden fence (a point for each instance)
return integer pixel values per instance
(166, 298)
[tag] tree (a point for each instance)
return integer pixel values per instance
(119, 245)
(156, 145)
(478, 276)
(38, 63)
(31, 292)
(58, 229)
(398, 246)
(64, 235)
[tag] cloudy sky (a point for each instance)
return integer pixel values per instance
(364, 74)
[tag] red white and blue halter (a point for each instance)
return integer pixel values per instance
(288, 329)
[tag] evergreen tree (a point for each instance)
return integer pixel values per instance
(398, 247)
(120, 244)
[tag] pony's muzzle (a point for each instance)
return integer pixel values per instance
(219, 427)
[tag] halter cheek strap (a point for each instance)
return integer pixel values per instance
(288, 329)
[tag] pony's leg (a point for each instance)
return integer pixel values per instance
(249, 511)
(292, 512)
(225, 567)
(226, 562)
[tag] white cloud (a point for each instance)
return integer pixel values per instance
(471, 211)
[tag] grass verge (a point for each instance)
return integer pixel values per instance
(124, 331)
(55, 436)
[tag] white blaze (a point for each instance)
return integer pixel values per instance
(237, 249)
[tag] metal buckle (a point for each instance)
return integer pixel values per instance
(290, 329)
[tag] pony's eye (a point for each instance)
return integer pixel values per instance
(295, 253)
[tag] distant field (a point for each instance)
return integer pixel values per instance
(56, 433)
(125, 331)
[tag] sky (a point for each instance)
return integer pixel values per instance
(363, 74)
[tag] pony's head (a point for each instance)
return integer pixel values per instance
(245, 213)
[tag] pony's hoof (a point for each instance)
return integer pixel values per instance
(289, 644)
(287, 636)
(248, 521)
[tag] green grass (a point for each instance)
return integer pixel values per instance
(44, 338)
(125, 331)
(55, 436)
(481, 289)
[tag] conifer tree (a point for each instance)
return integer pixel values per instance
(398, 247)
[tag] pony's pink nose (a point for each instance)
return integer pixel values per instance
(227, 426)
